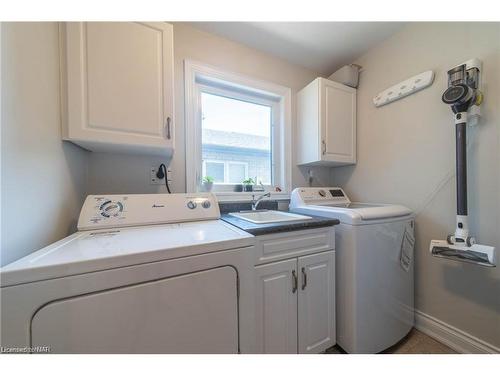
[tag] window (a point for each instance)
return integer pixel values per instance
(238, 132)
(236, 128)
(237, 172)
(225, 172)
(216, 170)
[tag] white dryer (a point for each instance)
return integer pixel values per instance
(154, 273)
(374, 267)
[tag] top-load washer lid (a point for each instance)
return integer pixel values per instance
(333, 202)
(358, 213)
(91, 251)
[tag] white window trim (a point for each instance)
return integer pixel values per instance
(194, 72)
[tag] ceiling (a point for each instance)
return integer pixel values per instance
(320, 46)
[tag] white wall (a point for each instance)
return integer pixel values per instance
(406, 149)
(130, 174)
(43, 179)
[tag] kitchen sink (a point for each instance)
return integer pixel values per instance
(268, 216)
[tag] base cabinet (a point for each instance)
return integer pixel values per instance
(295, 304)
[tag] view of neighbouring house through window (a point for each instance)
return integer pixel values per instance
(236, 140)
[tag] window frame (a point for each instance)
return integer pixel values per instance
(203, 78)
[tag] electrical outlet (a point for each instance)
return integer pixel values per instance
(157, 181)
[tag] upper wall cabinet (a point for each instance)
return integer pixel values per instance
(326, 113)
(118, 86)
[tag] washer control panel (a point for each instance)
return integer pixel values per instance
(111, 211)
(318, 196)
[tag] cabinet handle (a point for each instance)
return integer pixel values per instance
(304, 278)
(323, 146)
(295, 281)
(167, 127)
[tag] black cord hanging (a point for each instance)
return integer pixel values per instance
(163, 173)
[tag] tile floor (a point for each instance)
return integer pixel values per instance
(415, 342)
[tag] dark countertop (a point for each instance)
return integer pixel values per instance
(286, 226)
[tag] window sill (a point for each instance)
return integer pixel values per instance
(247, 196)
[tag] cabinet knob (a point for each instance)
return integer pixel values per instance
(167, 128)
(304, 278)
(323, 146)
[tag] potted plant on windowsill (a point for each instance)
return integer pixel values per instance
(248, 184)
(208, 183)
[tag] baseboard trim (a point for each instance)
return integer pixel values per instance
(458, 340)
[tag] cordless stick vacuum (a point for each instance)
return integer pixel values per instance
(464, 97)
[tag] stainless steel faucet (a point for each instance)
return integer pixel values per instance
(255, 202)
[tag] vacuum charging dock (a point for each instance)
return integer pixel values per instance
(465, 97)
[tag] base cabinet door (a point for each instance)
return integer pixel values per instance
(276, 307)
(316, 302)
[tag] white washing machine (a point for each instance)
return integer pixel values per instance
(154, 273)
(374, 267)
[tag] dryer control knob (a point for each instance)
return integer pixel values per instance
(191, 205)
(206, 204)
(322, 193)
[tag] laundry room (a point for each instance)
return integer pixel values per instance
(197, 183)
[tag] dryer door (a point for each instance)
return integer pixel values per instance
(192, 313)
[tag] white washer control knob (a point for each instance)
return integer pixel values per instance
(322, 193)
(206, 204)
(191, 205)
(111, 208)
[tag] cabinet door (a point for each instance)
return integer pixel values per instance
(276, 307)
(119, 82)
(338, 122)
(316, 302)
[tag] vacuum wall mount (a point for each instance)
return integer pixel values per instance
(464, 96)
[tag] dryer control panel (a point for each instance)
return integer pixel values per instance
(112, 211)
(318, 196)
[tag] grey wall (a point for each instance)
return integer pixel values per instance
(130, 174)
(406, 155)
(43, 179)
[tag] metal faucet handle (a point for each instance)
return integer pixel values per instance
(255, 202)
